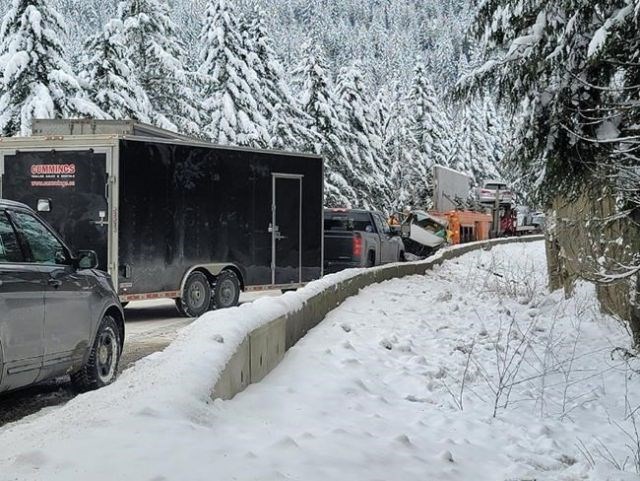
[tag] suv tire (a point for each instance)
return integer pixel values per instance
(102, 366)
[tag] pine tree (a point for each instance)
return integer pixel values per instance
(472, 152)
(559, 65)
(233, 97)
(157, 56)
(288, 124)
(373, 181)
(109, 73)
(497, 127)
(400, 149)
(36, 81)
(428, 124)
(315, 93)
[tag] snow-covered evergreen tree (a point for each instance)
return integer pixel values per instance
(315, 92)
(428, 122)
(234, 102)
(400, 149)
(374, 172)
(157, 57)
(109, 74)
(36, 80)
(288, 124)
(557, 64)
(473, 146)
(498, 128)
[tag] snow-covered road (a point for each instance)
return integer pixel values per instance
(470, 372)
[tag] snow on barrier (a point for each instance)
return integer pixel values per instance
(264, 346)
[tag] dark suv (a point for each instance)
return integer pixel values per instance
(58, 314)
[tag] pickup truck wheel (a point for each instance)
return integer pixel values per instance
(401, 257)
(371, 259)
(196, 296)
(227, 290)
(102, 366)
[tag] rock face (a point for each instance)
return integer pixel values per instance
(588, 238)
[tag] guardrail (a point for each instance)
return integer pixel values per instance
(264, 347)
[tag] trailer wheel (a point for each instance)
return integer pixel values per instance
(196, 296)
(227, 290)
(181, 311)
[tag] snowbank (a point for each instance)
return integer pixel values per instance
(158, 420)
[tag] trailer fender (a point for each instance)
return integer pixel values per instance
(212, 271)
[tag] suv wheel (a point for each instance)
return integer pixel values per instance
(196, 296)
(102, 367)
(227, 290)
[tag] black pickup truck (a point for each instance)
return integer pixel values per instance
(359, 238)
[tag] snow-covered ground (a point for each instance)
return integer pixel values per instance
(472, 372)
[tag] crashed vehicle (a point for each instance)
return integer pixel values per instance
(422, 234)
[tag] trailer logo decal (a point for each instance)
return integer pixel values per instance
(53, 175)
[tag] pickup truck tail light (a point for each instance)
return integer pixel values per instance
(357, 245)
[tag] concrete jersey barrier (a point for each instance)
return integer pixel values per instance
(264, 347)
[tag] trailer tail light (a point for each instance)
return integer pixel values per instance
(357, 245)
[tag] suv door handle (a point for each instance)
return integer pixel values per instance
(54, 283)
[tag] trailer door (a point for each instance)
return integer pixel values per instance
(286, 229)
(68, 189)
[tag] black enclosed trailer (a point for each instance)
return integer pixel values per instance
(172, 217)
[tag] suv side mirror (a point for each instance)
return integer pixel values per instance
(87, 260)
(43, 205)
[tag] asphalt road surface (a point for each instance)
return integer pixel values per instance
(150, 327)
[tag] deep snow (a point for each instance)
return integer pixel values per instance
(374, 392)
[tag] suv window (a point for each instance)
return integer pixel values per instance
(45, 248)
(9, 247)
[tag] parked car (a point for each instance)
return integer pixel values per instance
(359, 238)
(538, 220)
(529, 221)
(58, 314)
(487, 193)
